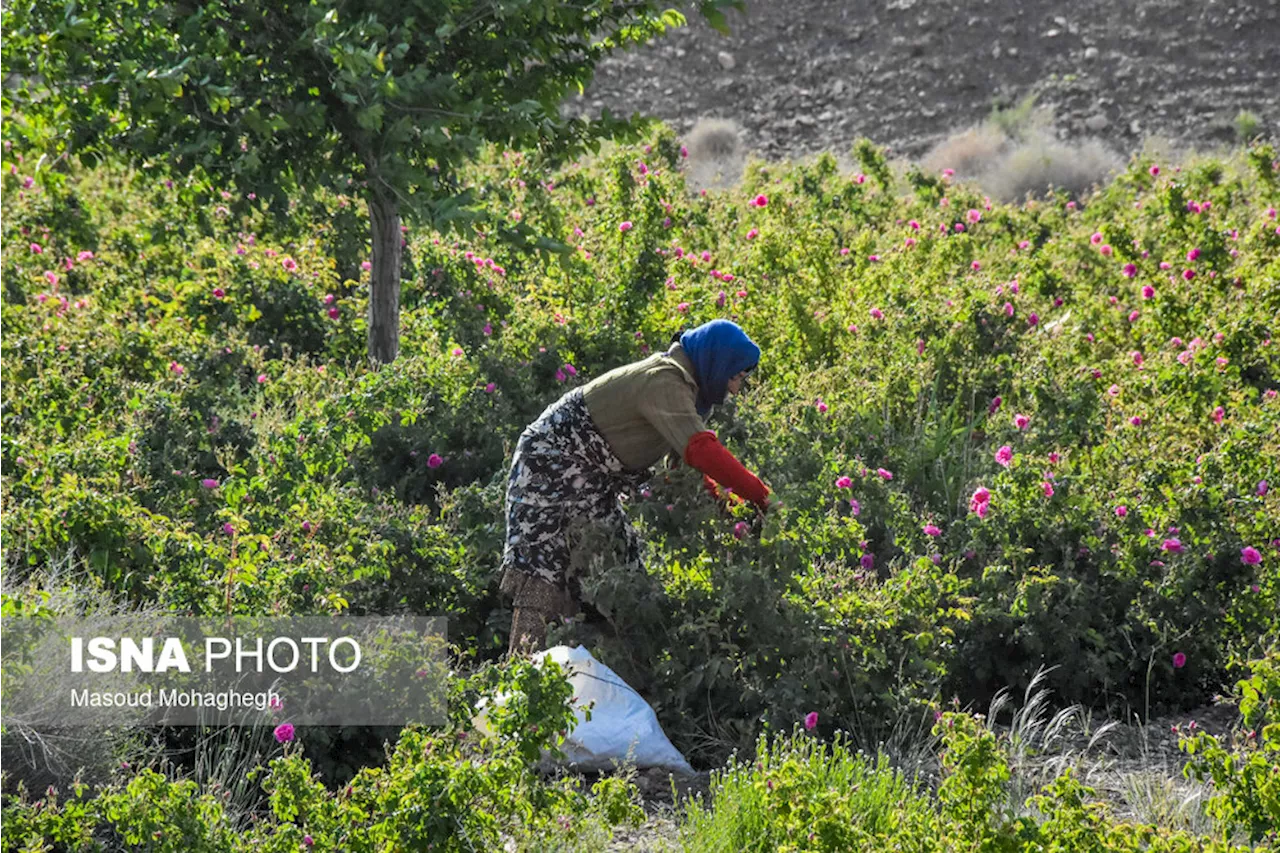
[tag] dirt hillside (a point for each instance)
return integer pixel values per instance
(802, 76)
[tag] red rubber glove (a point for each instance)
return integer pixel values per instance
(711, 487)
(709, 456)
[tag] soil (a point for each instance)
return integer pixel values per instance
(803, 76)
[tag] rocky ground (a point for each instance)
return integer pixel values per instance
(802, 76)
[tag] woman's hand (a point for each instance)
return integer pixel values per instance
(706, 454)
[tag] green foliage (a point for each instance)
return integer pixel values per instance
(454, 789)
(1051, 578)
(318, 95)
(1246, 779)
(1263, 159)
(166, 359)
(1246, 771)
(1260, 692)
(873, 160)
(1246, 125)
(975, 773)
(392, 97)
(802, 794)
(797, 795)
(33, 606)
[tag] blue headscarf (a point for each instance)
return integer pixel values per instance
(719, 350)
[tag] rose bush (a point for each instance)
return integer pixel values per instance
(167, 334)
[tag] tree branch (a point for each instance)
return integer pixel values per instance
(431, 111)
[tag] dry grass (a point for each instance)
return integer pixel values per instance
(1041, 743)
(1015, 153)
(716, 154)
(1163, 149)
(1129, 773)
(970, 153)
(1040, 161)
(1159, 797)
(38, 755)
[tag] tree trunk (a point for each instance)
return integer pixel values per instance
(384, 285)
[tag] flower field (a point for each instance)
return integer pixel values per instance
(998, 438)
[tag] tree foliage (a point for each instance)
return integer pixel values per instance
(387, 95)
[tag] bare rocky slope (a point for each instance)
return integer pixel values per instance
(802, 76)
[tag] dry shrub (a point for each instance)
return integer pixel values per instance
(714, 139)
(969, 153)
(1015, 153)
(716, 154)
(1187, 155)
(37, 755)
(1163, 150)
(1040, 161)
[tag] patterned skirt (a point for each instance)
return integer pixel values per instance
(564, 480)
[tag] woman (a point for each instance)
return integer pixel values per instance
(601, 439)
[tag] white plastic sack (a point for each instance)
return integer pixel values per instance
(623, 728)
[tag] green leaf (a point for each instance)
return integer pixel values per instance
(673, 18)
(370, 118)
(546, 244)
(716, 19)
(79, 28)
